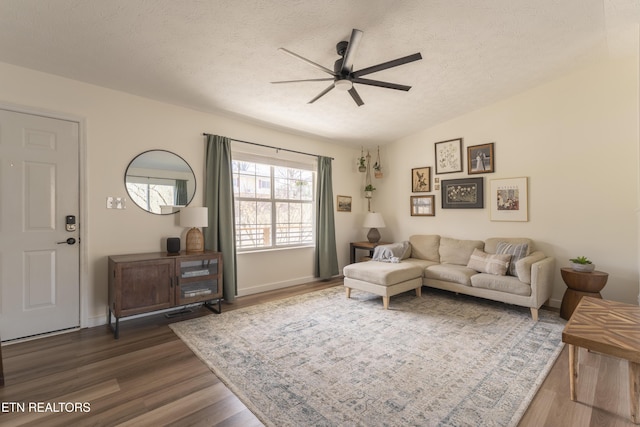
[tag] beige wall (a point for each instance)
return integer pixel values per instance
(576, 138)
(118, 127)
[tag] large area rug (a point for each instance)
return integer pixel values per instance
(321, 359)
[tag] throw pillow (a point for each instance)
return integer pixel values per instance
(483, 262)
(517, 252)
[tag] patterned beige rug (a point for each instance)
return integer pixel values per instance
(323, 360)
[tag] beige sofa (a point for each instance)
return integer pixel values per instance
(509, 270)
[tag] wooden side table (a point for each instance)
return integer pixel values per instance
(610, 328)
(580, 285)
(368, 246)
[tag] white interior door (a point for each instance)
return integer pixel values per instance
(39, 188)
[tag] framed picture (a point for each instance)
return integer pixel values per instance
(509, 199)
(449, 156)
(423, 206)
(344, 204)
(464, 193)
(421, 180)
(480, 159)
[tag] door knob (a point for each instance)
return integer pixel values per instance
(69, 241)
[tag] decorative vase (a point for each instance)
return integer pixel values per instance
(583, 268)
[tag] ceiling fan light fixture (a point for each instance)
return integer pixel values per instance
(343, 84)
(344, 76)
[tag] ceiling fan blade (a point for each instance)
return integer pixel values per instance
(381, 84)
(354, 41)
(313, 64)
(305, 80)
(389, 64)
(356, 97)
(321, 94)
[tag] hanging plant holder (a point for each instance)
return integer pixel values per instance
(368, 189)
(377, 166)
(362, 166)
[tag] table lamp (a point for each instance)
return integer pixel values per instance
(194, 217)
(373, 220)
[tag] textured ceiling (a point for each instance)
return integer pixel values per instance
(220, 55)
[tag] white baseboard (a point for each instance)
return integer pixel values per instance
(555, 303)
(102, 319)
(273, 286)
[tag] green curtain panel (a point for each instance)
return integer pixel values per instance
(220, 234)
(181, 196)
(326, 257)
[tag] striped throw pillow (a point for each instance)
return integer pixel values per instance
(486, 263)
(516, 251)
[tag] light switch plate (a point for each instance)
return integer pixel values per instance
(120, 202)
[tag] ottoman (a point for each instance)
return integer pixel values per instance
(383, 278)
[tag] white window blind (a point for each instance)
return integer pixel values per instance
(274, 200)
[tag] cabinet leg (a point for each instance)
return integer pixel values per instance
(212, 307)
(116, 330)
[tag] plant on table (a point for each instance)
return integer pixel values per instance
(582, 263)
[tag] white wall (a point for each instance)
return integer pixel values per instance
(118, 127)
(576, 138)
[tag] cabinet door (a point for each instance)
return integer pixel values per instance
(146, 286)
(199, 279)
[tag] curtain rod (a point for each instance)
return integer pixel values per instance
(270, 146)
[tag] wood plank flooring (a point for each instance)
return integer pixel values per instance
(149, 377)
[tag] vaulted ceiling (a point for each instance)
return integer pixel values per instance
(221, 56)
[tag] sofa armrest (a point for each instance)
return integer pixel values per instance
(542, 273)
(523, 266)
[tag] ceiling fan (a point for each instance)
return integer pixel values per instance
(343, 75)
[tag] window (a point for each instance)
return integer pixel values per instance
(274, 202)
(152, 193)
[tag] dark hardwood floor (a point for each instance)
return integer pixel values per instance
(149, 377)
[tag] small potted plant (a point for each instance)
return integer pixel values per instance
(368, 191)
(377, 166)
(582, 264)
(362, 167)
(377, 170)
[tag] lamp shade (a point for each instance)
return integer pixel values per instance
(374, 220)
(194, 217)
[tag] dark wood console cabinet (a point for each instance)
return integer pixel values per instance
(141, 283)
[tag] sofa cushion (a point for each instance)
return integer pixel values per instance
(450, 273)
(517, 252)
(491, 244)
(454, 251)
(422, 263)
(523, 266)
(425, 246)
(407, 252)
(383, 273)
(489, 263)
(507, 284)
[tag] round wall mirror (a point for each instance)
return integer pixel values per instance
(160, 182)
